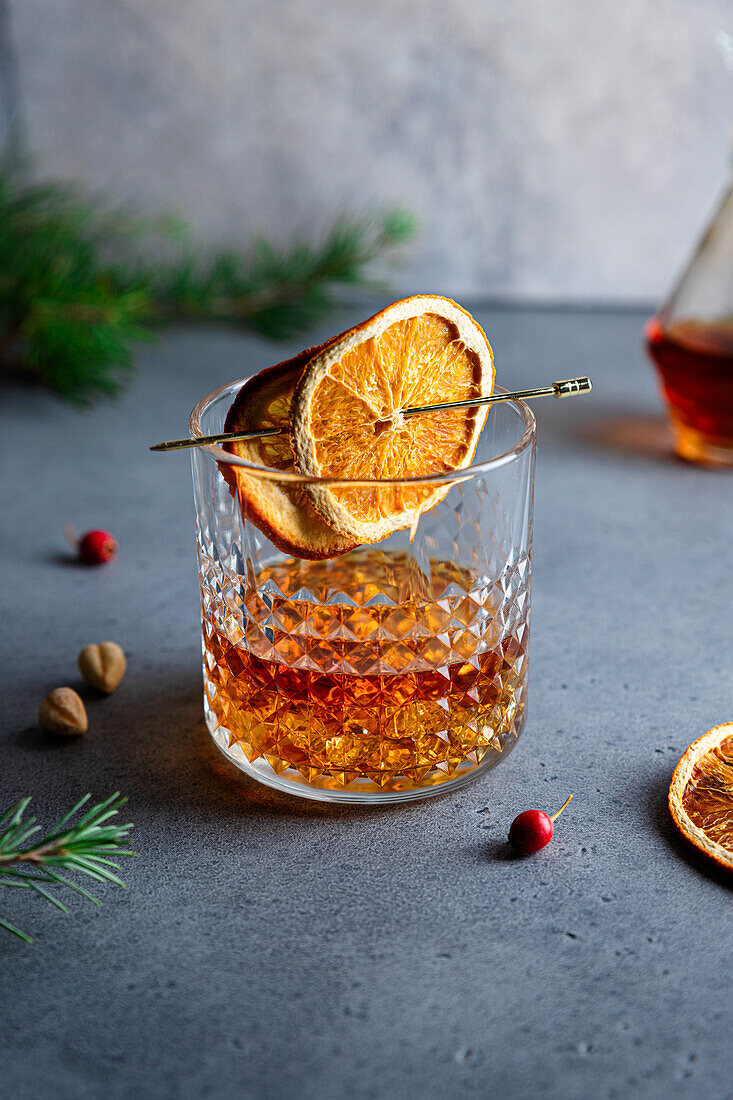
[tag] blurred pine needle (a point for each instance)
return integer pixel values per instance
(77, 294)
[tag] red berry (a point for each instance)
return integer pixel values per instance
(532, 830)
(97, 547)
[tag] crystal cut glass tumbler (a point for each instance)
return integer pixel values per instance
(393, 672)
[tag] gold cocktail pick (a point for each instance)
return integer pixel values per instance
(570, 387)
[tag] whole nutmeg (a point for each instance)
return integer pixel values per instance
(63, 712)
(102, 666)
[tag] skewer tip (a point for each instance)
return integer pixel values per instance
(570, 387)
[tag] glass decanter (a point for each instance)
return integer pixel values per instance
(690, 339)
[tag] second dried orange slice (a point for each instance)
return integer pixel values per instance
(279, 507)
(347, 423)
(701, 795)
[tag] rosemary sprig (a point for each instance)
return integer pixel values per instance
(82, 846)
(76, 293)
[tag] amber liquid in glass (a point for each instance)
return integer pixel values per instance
(695, 361)
(395, 693)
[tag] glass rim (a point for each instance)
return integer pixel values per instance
(450, 477)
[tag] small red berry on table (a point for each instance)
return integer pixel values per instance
(94, 548)
(97, 547)
(532, 830)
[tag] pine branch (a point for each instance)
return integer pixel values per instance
(282, 292)
(76, 296)
(82, 846)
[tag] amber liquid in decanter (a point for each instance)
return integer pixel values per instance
(695, 362)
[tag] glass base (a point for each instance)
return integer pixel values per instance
(705, 450)
(362, 793)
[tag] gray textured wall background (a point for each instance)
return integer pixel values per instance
(552, 148)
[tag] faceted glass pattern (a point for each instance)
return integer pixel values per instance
(393, 672)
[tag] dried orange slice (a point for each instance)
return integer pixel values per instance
(701, 794)
(281, 510)
(346, 417)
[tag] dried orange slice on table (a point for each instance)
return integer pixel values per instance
(347, 422)
(281, 509)
(701, 795)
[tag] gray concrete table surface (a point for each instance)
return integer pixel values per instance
(271, 947)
